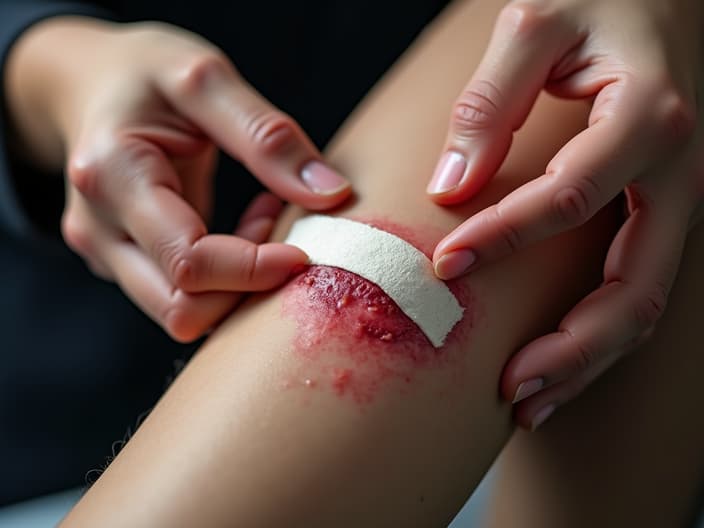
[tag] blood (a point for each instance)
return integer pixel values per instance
(357, 336)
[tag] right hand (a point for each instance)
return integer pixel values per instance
(139, 111)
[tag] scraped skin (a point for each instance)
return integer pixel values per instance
(287, 417)
(360, 336)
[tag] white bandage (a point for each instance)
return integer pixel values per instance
(402, 271)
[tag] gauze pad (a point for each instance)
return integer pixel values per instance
(402, 271)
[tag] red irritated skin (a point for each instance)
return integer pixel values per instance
(357, 336)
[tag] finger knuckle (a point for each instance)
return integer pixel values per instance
(526, 19)
(84, 173)
(575, 204)
(677, 115)
(585, 356)
(192, 267)
(270, 132)
(76, 234)
(477, 108)
(178, 318)
(177, 257)
(650, 307)
(200, 71)
(510, 236)
(249, 257)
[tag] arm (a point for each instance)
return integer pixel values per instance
(263, 427)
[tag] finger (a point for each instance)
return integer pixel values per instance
(629, 303)
(170, 231)
(269, 143)
(535, 410)
(228, 263)
(184, 316)
(257, 222)
(196, 176)
(256, 230)
(80, 230)
(620, 143)
(264, 205)
(526, 42)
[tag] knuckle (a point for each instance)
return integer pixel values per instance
(249, 257)
(525, 19)
(573, 204)
(76, 234)
(176, 256)
(200, 71)
(270, 132)
(192, 267)
(476, 109)
(677, 115)
(585, 356)
(649, 307)
(178, 318)
(84, 174)
(509, 235)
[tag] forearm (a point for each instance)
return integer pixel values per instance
(275, 423)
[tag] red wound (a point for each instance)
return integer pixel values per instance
(352, 332)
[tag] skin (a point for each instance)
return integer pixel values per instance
(263, 427)
(645, 137)
(627, 451)
(266, 427)
(135, 114)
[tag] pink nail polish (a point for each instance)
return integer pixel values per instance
(527, 388)
(448, 173)
(455, 263)
(542, 415)
(321, 179)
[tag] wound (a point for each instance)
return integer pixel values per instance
(356, 340)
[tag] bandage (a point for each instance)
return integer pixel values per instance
(402, 271)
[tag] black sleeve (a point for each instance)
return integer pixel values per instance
(15, 218)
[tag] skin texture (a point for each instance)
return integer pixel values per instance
(260, 429)
(645, 137)
(135, 113)
(603, 458)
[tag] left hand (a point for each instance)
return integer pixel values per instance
(642, 64)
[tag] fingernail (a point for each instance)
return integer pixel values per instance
(455, 263)
(448, 173)
(321, 179)
(542, 415)
(527, 388)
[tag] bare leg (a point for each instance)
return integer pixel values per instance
(628, 452)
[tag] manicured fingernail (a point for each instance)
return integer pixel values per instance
(527, 388)
(448, 173)
(542, 415)
(321, 179)
(455, 263)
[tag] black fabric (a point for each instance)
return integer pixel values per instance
(79, 363)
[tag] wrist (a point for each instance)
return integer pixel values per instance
(44, 72)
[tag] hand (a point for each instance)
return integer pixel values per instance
(138, 112)
(641, 63)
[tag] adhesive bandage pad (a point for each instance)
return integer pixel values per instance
(402, 271)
